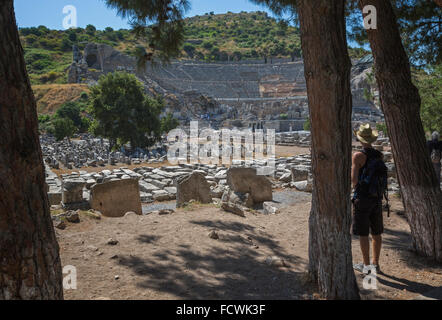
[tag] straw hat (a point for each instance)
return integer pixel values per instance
(365, 134)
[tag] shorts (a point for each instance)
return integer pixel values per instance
(367, 216)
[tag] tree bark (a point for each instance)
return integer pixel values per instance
(327, 72)
(400, 103)
(30, 265)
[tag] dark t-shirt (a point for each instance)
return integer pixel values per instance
(434, 145)
(370, 153)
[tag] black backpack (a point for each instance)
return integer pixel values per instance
(436, 155)
(373, 177)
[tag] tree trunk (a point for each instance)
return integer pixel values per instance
(30, 265)
(400, 103)
(327, 72)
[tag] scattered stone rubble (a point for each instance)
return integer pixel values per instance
(236, 188)
(296, 138)
(245, 189)
(89, 151)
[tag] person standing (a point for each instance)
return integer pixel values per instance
(435, 149)
(369, 180)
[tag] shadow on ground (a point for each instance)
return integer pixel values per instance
(231, 269)
(402, 242)
(404, 284)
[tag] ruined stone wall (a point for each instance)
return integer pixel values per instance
(244, 90)
(234, 80)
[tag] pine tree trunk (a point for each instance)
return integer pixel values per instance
(400, 103)
(327, 72)
(30, 265)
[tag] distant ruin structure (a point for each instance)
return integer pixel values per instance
(253, 93)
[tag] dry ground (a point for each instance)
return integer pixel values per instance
(172, 257)
(50, 97)
(290, 151)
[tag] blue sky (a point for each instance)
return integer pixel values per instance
(31, 13)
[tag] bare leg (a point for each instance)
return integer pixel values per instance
(365, 248)
(377, 244)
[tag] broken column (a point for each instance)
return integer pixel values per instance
(72, 195)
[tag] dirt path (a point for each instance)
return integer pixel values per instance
(172, 257)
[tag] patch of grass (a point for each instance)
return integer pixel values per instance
(396, 195)
(57, 211)
(195, 205)
(191, 206)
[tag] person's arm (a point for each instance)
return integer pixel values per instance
(440, 149)
(357, 163)
(429, 147)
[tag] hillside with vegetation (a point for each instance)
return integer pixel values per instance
(239, 36)
(222, 37)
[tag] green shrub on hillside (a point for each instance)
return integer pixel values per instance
(123, 113)
(90, 29)
(169, 123)
(63, 127)
(72, 111)
(84, 96)
(307, 125)
(381, 127)
(38, 60)
(430, 90)
(49, 77)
